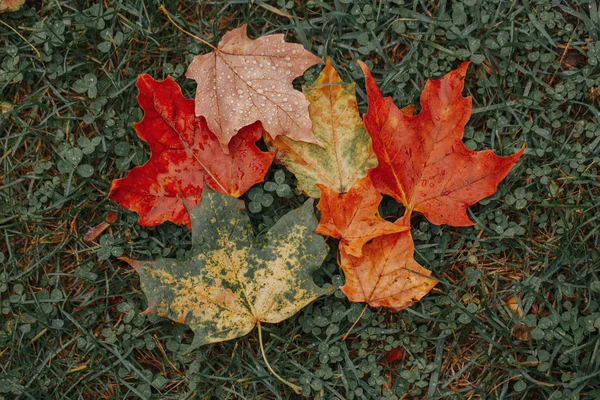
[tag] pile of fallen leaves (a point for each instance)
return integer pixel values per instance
(204, 155)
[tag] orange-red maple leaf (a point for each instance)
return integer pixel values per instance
(423, 162)
(244, 80)
(186, 155)
(353, 217)
(386, 275)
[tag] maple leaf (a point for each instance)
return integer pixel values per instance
(233, 280)
(422, 161)
(244, 80)
(386, 275)
(186, 155)
(345, 152)
(353, 217)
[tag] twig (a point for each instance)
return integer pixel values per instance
(22, 37)
(198, 38)
(355, 322)
(561, 60)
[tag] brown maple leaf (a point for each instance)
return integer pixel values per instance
(386, 275)
(353, 217)
(96, 230)
(423, 162)
(186, 155)
(244, 80)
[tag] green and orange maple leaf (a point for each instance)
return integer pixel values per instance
(344, 151)
(232, 279)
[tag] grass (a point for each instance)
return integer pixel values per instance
(516, 314)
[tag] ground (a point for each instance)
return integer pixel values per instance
(516, 314)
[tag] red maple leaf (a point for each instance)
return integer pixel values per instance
(185, 156)
(423, 162)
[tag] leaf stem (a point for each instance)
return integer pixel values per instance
(296, 389)
(406, 217)
(355, 322)
(198, 38)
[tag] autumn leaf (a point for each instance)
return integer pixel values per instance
(186, 155)
(422, 161)
(394, 355)
(345, 152)
(233, 280)
(353, 217)
(244, 81)
(11, 5)
(6, 107)
(386, 275)
(97, 230)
